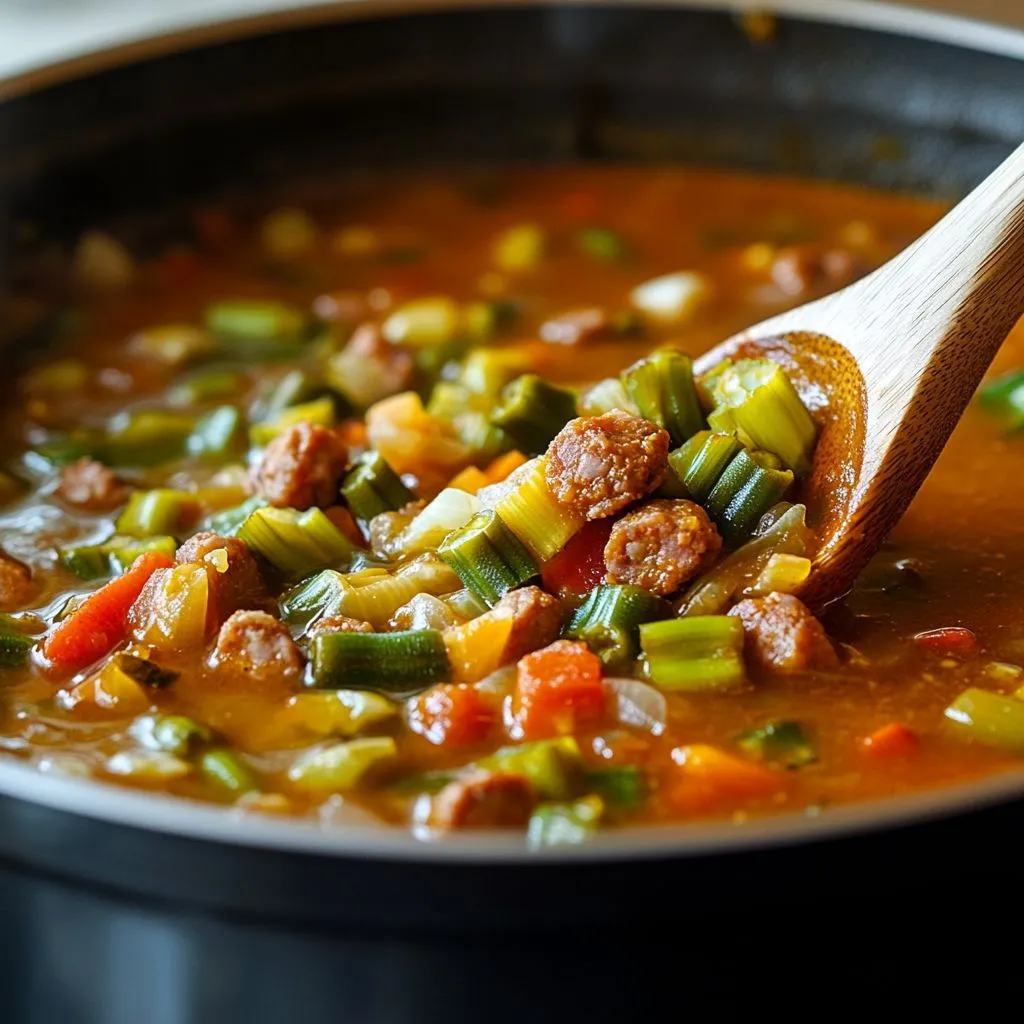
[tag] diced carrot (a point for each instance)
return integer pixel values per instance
(579, 566)
(352, 432)
(891, 741)
(948, 640)
(558, 690)
(504, 465)
(469, 480)
(475, 648)
(101, 621)
(452, 715)
(707, 779)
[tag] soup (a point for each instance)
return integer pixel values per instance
(400, 499)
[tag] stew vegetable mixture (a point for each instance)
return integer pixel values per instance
(405, 503)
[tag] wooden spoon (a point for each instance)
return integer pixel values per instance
(891, 362)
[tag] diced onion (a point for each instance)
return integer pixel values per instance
(639, 704)
(673, 298)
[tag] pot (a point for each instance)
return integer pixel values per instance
(130, 907)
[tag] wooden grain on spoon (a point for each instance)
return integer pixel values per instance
(891, 362)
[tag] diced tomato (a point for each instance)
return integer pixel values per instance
(948, 640)
(891, 741)
(558, 691)
(579, 566)
(708, 779)
(452, 716)
(101, 621)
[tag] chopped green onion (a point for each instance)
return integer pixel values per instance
(256, 328)
(662, 388)
(320, 411)
(553, 767)
(602, 243)
(751, 484)
(701, 461)
(227, 770)
(449, 511)
(158, 512)
(14, 644)
(530, 511)
(564, 824)
(93, 561)
(782, 742)
(609, 621)
(295, 542)
(216, 432)
(519, 248)
(231, 520)
(703, 653)
(173, 734)
(340, 766)
(623, 787)
(143, 671)
(373, 487)
(988, 718)
(488, 557)
(757, 401)
(399, 664)
(1005, 395)
(147, 437)
(532, 411)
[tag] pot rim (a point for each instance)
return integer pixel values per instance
(235, 19)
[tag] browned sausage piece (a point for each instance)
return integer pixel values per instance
(16, 586)
(235, 580)
(91, 486)
(783, 636)
(661, 545)
(338, 624)
(537, 621)
(597, 465)
(301, 467)
(258, 645)
(484, 800)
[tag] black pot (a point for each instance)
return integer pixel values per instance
(123, 907)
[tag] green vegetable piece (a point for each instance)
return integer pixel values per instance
(60, 450)
(227, 770)
(158, 512)
(298, 387)
(173, 734)
(701, 461)
(519, 248)
(488, 557)
(14, 644)
(564, 824)
(621, 787)
(663, 389)
(258, 329)
(202, 387)
(115, 555)
(699, 654)
(750, 485)
(424, 322)
(399, 664)
(373, 487)
(320, 411)
(231, 520)
(532, 411)
(295, 542)
(1005, 396)
(755, 400)
(340, 766)
(782, 742)
(609, 619)
(988, 718)
(173, 344)
(217, 433)
(147, 437)
(602, 243)
(554, 767)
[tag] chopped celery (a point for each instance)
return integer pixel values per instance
(698, 654)
(988, 718)
(116, 554)
(609, 619)
(605, 396)
(783, 742)
(216, 432)
(231, 520)
(564, 824)
(602, 243)
(201, 387)
(257, 328)
(488, 557)
(295, 542)
(373, 487)
(663, 389)
(553, 767)
(757, 401)
(143, 671)
(399, 664)
(423, 322)
(531, 411)
(59, 450)
(519, 248)
(750, 485)
(341, 712)
(483, 438)
(449, 511)
(320, 411)
(486, 371)
(14, 644)
(340, 766)
(226, 769)
(147, 437)
(701, 460)
(173, 734)
(531, 513)
(158, 512)
(624, 787)
(297, 387)
(784, 574)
